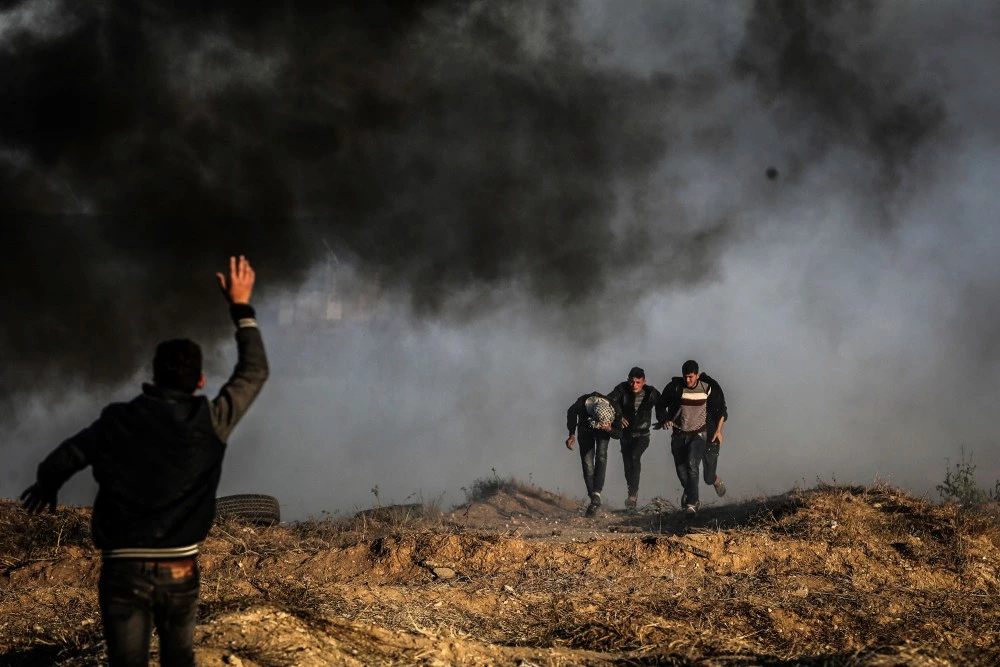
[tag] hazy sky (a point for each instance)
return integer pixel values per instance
(549, 197)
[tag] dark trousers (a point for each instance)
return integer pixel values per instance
(688, 451)
(711, 461)
(594, 456)
(135, 595)
(632, 448)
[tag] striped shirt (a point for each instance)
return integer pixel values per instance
(693, 414)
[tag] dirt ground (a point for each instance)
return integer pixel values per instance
(825, 576)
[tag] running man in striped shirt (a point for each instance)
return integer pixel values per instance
(694, 407)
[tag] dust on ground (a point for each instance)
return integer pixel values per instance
(517, 576)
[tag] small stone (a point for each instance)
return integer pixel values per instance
(231, 659)
(801, 592)
(444, 573)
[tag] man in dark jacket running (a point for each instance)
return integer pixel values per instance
(157, 461)
(597, 420)
(635, 400)
(695, 408)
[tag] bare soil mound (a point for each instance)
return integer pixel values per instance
(517, 507)
(828, 576)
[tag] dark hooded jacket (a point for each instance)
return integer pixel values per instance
(639, 421)
(157, 459)
(576, 417)
(670, 401)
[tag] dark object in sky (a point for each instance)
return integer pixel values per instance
(771, 173)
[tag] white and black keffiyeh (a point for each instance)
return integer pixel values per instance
(600, 411)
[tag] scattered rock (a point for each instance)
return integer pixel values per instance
(233, 660)
(801, 592)
(444, 573)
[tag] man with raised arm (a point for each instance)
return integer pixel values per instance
(597, 420)
(157, 461)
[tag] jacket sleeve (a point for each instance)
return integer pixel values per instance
(616, 398)
(717, 409)
(69, 458)
(664, 405)
(248, 376)
(655, 397)
(573, 414)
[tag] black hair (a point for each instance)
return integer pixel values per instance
(177, 365)
(690, 366)
(636, 372)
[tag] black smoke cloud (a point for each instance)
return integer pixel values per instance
(449, 147)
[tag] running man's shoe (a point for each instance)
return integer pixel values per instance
(595, 503)
(720, 486)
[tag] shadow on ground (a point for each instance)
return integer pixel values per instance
(662, 517)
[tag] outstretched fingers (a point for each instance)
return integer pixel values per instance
(239, 286)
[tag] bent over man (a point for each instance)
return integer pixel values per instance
(635, 400)
(157, 460)
(597, 420)
(694, 407)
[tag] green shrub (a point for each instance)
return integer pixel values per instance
(960, 485)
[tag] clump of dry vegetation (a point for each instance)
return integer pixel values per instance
(828, 576)
(485, 488)
(56, 623)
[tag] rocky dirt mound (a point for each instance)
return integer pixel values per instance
(829, 576)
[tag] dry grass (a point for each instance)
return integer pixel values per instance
(828, 576)
(485, 488)
(26, 538)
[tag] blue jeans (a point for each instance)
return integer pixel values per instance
(594, 457)
(688, 451)
(135, 595)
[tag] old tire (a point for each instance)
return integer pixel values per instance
(254, 508)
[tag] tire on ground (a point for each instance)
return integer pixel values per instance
(254, 508)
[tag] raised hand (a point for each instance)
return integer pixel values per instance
(241, 278)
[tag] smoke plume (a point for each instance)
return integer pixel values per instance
(446, 146)
(797, 194)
